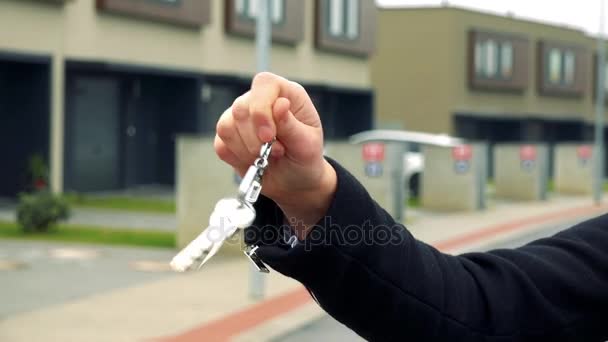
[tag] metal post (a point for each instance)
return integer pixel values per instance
(598, 175)
(262, 45)
(397, 151)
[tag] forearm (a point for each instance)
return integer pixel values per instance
(404, 289)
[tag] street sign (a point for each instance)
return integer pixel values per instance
(373, 169)
(373, 152)
(462, 156)
(527, 157)
(584, 154)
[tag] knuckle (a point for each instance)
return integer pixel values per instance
(257, 109)
(263, 76)
(253, 150)
(221, 149)
(224, 129)
(297, 86)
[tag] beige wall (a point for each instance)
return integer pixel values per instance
(89, 35)
(410, 70)
(420, 69)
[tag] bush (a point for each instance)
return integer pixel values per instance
(40, 211)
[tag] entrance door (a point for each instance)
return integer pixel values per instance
(24, 122)
(95, 132)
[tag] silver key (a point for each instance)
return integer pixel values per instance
(228, 216)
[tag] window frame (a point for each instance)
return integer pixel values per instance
(192, 13)
(509, 74)
(548, 85)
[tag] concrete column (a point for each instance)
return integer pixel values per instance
(349, 156)
(57, 122)
(454, 178)
(574, 169)
(521, 171)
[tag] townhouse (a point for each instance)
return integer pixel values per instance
(101, 88)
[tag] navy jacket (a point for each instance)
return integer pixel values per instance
(372, 275)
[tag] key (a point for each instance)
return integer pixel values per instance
(228, 216)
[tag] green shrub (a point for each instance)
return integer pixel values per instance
(40, 211)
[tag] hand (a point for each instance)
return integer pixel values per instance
(298, 179)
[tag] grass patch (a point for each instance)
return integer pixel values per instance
(96, 235)
(413, 202)
(550, 185)
(122, 203)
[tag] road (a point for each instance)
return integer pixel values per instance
(55, 273)
(328, 329)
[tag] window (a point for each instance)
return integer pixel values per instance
(562, 66)
(506, 58)
(569, 67)
(343, 18)
(168, 2)
(248, 9)
(606, 76)
(494, 60)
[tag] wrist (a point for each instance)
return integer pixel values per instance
(304, 209)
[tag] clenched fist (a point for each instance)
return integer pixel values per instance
(298, 179)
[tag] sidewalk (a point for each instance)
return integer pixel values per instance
(110, 218)
(212, 305)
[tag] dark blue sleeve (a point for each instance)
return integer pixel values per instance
(371, 274)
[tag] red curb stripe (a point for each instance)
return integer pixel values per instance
(481, 234)
(234, 324)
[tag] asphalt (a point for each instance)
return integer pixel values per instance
(55, 273)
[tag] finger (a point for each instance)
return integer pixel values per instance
(278, 150)
(266, 88)
(225, 154)
(244, 124)
(227, 131)
(290, 131)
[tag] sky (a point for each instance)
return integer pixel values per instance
(581, 14)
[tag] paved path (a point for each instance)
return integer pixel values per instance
(55, 273)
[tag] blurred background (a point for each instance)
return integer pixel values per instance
(108, 111)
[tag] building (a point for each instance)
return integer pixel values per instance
(101, 88)
(483, 76)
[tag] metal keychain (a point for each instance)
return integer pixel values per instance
(228, 217)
